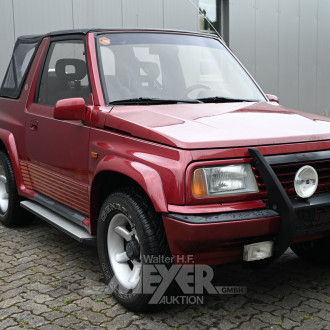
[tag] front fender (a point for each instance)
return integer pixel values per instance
(145, 176)
(9, 143)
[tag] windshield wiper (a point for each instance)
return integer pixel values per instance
(150, 100)
(220, 99)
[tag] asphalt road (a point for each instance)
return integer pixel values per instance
(50, 281)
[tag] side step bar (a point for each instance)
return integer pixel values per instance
(61, 223)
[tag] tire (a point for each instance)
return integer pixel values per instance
(11, 213)
(129, 226)
(316, 252)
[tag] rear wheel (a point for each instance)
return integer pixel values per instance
(11, 213)
(316, 251)
(129, 232)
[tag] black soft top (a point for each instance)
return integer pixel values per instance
(24, 51)
(26, 47)
(39, 37)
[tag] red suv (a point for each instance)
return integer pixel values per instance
(159, 144)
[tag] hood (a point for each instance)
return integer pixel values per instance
(199, 126)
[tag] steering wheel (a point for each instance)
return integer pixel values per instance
(195, 86)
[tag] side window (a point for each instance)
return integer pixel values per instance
(65, 73)
(18, 67)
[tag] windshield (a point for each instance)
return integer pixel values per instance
(139, 67)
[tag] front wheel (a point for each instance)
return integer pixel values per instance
(316, 251)
(11, 213)
(129, 233)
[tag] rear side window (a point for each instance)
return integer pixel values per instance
(65, 73)
(18, 68)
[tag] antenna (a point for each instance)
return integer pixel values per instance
(200, 12)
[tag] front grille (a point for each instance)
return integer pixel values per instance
(287, 171)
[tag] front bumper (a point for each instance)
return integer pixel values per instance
(220, 238)
(204, 240)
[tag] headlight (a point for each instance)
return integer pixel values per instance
(223, 180)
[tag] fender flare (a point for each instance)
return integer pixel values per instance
(9, 142)
(145, 176)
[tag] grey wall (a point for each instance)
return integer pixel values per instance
(19, 17)
(285, 44)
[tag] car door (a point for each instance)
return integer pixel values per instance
(57, 150)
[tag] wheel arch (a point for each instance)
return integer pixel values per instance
(121, 173)
(8, 145)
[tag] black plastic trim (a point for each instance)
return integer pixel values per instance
(58, 208)
(318, 201)
(224, 217)
(313, 214)
(278, 201)
(106, 30)
(297, 158)
(8, 92)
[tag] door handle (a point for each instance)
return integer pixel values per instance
(33, 125)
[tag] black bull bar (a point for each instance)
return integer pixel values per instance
(288, 209)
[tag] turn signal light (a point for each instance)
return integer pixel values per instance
(198, 184)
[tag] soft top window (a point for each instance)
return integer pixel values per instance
(18, 67)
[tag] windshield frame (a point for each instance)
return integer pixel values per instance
(193, 34)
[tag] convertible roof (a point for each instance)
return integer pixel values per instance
(57, 33)
(35, 38)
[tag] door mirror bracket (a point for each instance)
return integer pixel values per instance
(272, 98)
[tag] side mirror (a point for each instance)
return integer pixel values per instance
(70, 109)
(272, 98)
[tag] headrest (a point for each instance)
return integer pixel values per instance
(70, 69)
(150, 69)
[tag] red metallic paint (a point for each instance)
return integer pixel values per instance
(220, 243)
(87, 224)
(12, 121)
(277, 149)
(272, 98)
(94, 70)
(98, 115)
(57, 145)
(216, 208)
(70, 109)
(158, 147)
(32, 78)
(219, 125)
(26, 175)
(216, 243)
(67, 191)
(145, 176)
(9, 142)
(169, 163)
